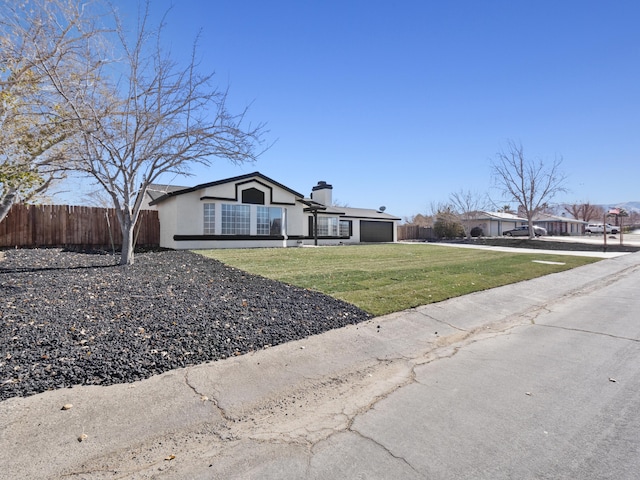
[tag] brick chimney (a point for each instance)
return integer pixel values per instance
(321, 193)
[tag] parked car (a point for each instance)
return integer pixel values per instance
(524, 231)
(599, 228)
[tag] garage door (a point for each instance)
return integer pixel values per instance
(376, 231)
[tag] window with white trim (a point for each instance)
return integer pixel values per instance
(236, 219)
(269, 221)
(345, 228)
(209, 218)
(327, 226)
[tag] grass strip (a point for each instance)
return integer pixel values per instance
(387, 278)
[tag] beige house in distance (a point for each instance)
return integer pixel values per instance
(494, 224)
(253, 210)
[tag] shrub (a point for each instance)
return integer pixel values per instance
(447, 228)
(477, 232)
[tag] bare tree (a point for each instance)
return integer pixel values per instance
(531, 183)
(420, 220)
(584, 211)
(469, 206)
(339, 203)
(35, 133)
(142, 115)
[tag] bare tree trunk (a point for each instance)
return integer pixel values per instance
(532, 233)
(128, 248)
(6, 202)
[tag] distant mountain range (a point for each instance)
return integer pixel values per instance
(628, 206)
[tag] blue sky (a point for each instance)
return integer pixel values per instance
(402, 103)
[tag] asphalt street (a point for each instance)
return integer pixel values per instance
(533, 380)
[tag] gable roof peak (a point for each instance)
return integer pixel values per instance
(239, 178)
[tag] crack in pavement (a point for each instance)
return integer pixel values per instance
(205, 398)
(438, 320)
(384, 447)
(581, 330)
(600, 283)
(424, 358)
(224, 430)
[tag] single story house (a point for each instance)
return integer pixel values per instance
(253, 210)
(558, 225)
(494, 224)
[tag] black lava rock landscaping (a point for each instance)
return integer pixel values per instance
(70, 318)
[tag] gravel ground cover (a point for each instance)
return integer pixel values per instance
(73, 318)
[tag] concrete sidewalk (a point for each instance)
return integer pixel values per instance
(533, 250)
(629, 239)
(281, 412)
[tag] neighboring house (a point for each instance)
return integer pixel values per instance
(255, 211)
(494, 224)
(556, 225)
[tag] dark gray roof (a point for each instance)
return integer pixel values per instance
(367, 213)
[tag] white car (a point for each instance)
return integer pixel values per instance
(600, 228)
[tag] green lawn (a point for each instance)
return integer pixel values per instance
(391, 277)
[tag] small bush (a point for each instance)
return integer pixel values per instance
(477, 232)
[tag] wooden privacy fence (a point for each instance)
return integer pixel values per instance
(415, 232)
(66, 226)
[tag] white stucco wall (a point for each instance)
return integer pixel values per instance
(295, 220)
(167, 217)
(184, 215)
(189, 213)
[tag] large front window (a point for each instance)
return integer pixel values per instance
(269, 221)
(236, 219)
